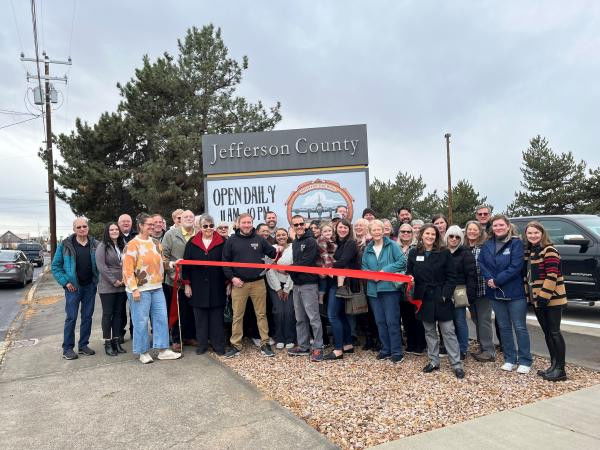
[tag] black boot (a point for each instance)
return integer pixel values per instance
(543, 372)
(369, 344)
(108, 348)
(117, 346)
(542, 319)
(558, 372)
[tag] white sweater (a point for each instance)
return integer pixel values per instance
(275, 278)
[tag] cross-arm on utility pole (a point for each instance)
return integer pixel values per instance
(49, 157)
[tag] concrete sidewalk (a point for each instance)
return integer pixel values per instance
(568, 421)
(196, 402)
(109, 402)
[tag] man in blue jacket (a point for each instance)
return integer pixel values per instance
(74, 268)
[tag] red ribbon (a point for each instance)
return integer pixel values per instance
(351, 273)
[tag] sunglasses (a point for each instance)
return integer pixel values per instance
(406, 231)
(298, 225)
(208, 225)
(79, 227)
(452, 236)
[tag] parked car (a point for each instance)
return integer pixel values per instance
(577, 238)
(33, 251)
(15, 267)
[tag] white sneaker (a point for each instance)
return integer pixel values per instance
(145, 358)
(280, 345)
(523, 369)
(271, 341)
(168, 354)
(508, 367)
(290, 345)
(256, 342)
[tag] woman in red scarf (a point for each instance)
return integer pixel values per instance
(205, 286)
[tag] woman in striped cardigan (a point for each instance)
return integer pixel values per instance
(545, 288)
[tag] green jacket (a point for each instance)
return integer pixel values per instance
(173, 244)
(391, 259)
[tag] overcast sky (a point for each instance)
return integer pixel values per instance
(492, 73)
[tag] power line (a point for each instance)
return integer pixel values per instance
(16, 25)
(37, 54)
(10, 112)
(72, 26)
(17, 123)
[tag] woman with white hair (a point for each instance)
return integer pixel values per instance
(205, 286)
(384, 255)
(466, 284)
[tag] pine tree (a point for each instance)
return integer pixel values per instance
(96, 175)
(464, 201)
(155, 158)
(406, 190)
(592, 192)
(553, 183)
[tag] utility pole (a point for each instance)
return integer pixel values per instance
(447, 136)
(49, 156)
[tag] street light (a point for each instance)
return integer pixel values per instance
(447, 136)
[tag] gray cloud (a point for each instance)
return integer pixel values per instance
(494, 74)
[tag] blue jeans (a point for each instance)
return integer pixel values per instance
(386, 309)
(511, 315)
(86, 295)
(151, 305)
(336, 312)
(461, 328)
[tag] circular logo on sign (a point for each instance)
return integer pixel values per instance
(318, 200)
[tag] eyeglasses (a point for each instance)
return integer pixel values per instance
(79, 227)
(453, 237)
(483, 214)
(298, 225)
(208, 225)
(406, 231)
(223, 228)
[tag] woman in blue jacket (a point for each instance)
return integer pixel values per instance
(384, 255)
(501, 263)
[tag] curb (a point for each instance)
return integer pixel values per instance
(18, 320)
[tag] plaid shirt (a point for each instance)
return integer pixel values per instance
(326, 250)
(480, 280)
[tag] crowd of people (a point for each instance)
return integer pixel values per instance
(482, 267)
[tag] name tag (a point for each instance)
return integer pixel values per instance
(506, 251)
(420, 258)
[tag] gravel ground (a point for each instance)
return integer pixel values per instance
(359, 402)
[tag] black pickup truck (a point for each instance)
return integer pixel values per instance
(34, 252)
(577, 238)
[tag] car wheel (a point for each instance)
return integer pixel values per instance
(23, 282)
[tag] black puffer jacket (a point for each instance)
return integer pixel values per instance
(305, 253)
(466, 272)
